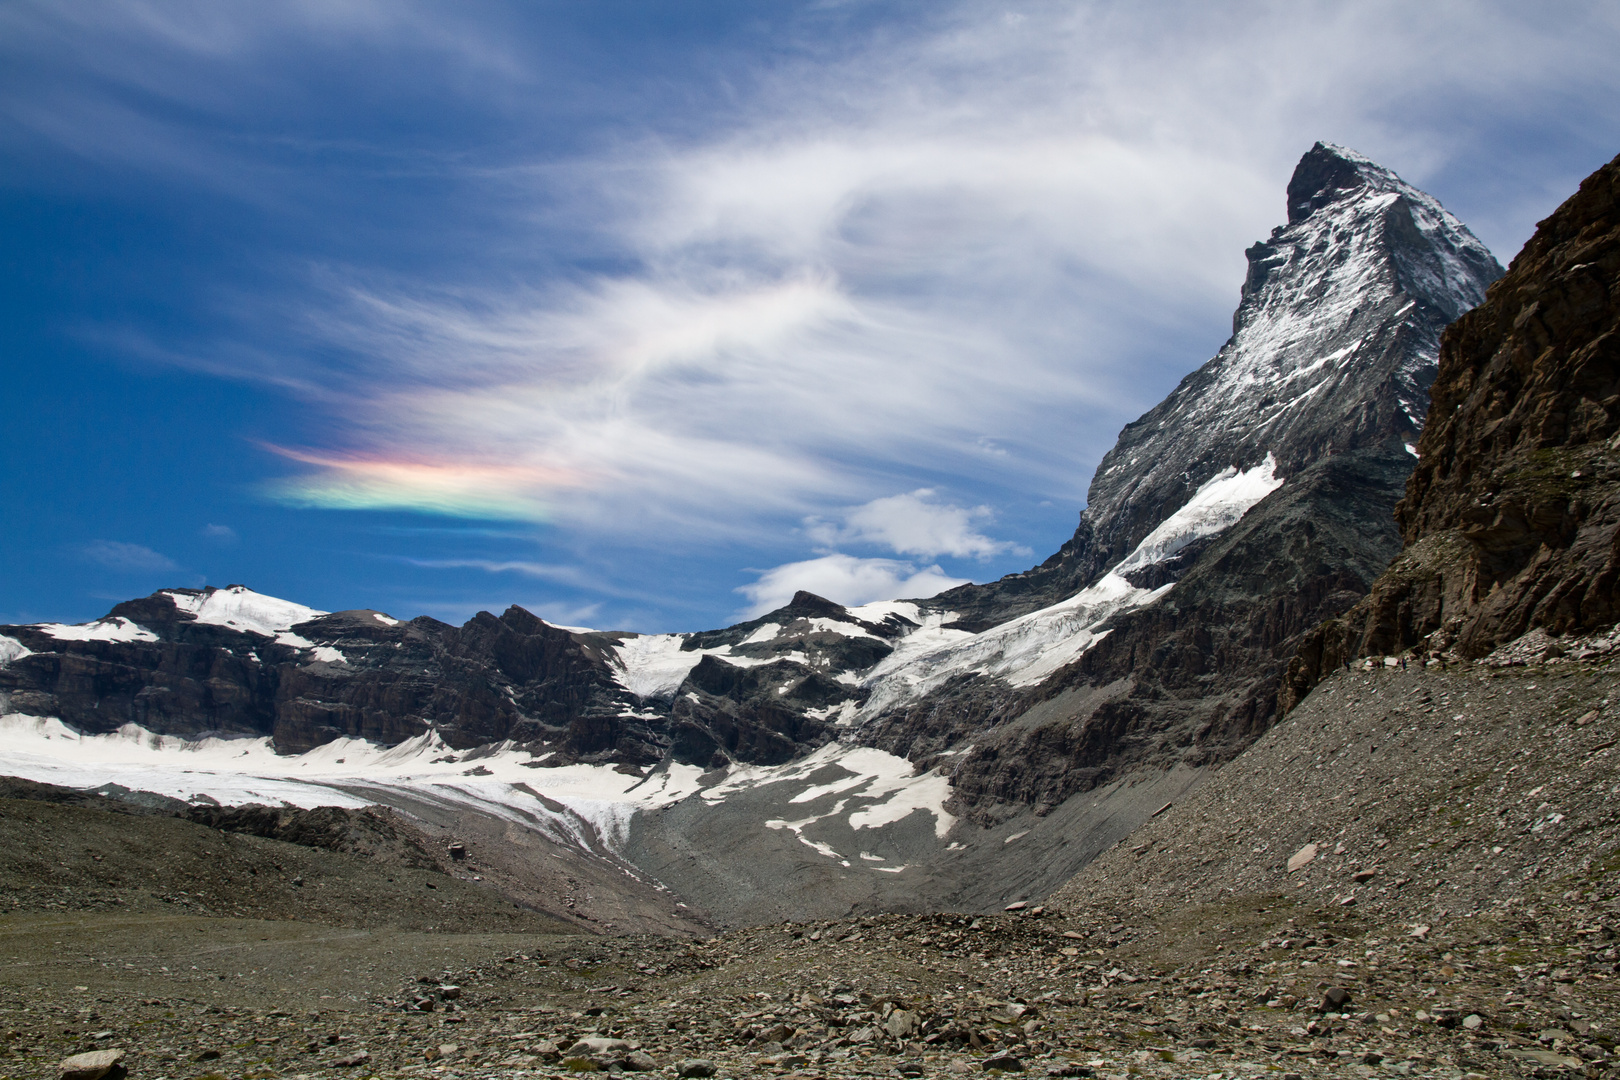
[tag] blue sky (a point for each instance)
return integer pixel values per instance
(644, 314)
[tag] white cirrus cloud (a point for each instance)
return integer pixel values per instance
(126, 558)
(955, 254)
(914, 523)
(845, 579)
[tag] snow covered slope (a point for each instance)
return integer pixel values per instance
(240, 608)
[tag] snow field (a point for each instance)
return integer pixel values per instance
(586, 806)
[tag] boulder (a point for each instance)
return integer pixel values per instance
(96, 1065)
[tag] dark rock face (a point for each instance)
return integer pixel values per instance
(509, 677)
(512, 677)
(1510, 519)
(1327, 372)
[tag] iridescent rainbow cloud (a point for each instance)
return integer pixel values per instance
(454, 489)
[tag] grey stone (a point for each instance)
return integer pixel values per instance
(96, 1065)
(1545, 1057)
(696, 1067)
(901, 1024)
(600, 1046)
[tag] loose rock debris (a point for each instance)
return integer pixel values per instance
(1255, 987)
(1217, 941)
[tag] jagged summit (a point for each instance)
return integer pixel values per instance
(1328, 172)
(1334, 345)
(1511, 517)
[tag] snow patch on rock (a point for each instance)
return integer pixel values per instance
(655, 665)
(241, 608)
(1216, 505)
(113, 629)
(12, 649)
(887, 788)
(321, 652)
(1027, 649)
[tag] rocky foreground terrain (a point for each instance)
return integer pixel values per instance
(1412, 875)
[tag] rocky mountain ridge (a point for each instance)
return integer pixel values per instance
(1510, 519)
(1332, 351)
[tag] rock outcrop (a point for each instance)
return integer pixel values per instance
(352, 673)
(1510, 519)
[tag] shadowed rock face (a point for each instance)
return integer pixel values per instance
(508, 677)
(1510, 518)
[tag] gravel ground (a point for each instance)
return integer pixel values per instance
(1416, 795)
(1238, 989)
(1477, 840)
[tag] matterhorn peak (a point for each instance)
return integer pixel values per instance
(1328, 173)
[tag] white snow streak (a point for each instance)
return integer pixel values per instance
(1217, 504)
(1028, 649)
(115, 629)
